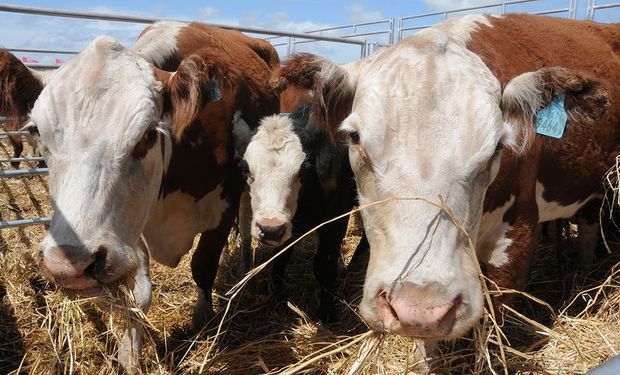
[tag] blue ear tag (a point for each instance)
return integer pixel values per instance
(551, 120)
(213, 91)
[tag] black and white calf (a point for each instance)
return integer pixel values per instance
(297, 179)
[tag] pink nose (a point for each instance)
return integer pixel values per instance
(271, 231)
(72, 267)
(417, 311)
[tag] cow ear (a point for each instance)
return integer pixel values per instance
(192, 86)
(333, 87)
(299, 70)
(528, 99)
(242, 134)
(19, 86)
(334, 92)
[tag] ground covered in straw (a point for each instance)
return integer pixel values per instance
(43, 330)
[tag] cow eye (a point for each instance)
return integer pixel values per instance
(33, 130)
(145, 143)
(498, 149)
(245, 171)
(354, 137)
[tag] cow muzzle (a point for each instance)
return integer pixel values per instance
(272, 232)
(416, 311)
(73, 267)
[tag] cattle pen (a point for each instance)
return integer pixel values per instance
(565, 322)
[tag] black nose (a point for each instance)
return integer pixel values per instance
(98, 265)
(271, 233)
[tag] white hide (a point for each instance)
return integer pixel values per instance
(551, 210)
(492, 240)
(159, 42)
(176, 219)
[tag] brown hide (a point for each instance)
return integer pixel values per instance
(571, 169)
(202, 156)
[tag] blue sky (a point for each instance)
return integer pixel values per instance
(18, 30)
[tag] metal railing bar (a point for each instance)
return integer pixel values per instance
(23, 172)
(494, 5)
(344, 36)
(17, 132)
(349, 26)
(416, 27)
(552, 11)
(135, 19)
(43, 66)
(38, 50)
(12, 160)
(24, 222)
(605, 6)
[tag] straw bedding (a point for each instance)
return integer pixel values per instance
(568, 324)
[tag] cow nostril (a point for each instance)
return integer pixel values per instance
(98, 264)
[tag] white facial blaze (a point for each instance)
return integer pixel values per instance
(274, 157)
(91, 115)
(158, 43)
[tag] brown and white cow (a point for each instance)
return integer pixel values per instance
(14, 110)
(451, 112)
(138, 142)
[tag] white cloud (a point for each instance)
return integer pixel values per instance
(357, 13)
(208, 12)
(438, 5)
(27, 31)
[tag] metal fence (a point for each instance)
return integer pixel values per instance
(503, 7)
(593, 7)
(352, 34)
(354, 30)
(297, 38)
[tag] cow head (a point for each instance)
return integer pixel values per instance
(104, 120)
(271, 158)
(427, 119)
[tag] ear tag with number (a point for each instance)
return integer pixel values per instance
(551, 120)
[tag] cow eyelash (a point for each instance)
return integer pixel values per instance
(146, 142)
(245, 171)
(354, 136)
(31, 128)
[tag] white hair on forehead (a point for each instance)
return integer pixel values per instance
(275, 132)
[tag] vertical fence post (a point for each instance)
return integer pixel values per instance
(590, 9)
(572, 11)
(391, 34)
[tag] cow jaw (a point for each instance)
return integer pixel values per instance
(274, 157)
(99, 121)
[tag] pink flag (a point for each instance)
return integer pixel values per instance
(59, 61)
(27, 59)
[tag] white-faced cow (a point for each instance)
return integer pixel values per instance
(105, 120)
(453, 112)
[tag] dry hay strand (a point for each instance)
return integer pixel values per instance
(45, 330)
